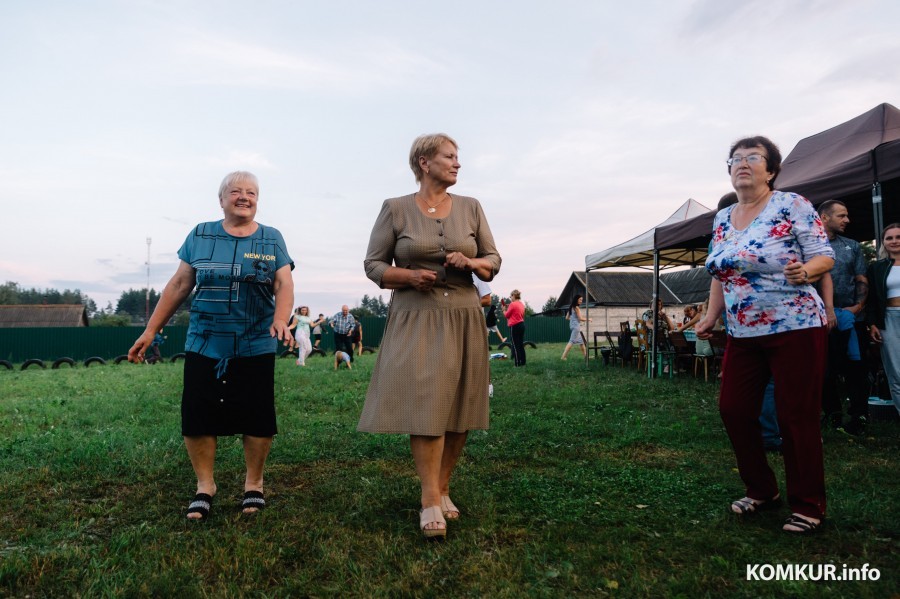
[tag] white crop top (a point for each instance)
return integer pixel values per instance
(893, 283)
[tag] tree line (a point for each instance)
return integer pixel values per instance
(131, 307)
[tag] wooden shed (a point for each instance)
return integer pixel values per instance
(615, 297)
(39, 315)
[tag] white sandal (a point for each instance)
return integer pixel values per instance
(430, 515)
(448, 509)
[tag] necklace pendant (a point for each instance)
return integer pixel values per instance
(432, 210)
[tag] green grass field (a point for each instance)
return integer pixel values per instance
(591, 482)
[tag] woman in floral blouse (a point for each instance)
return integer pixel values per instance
(766, 251)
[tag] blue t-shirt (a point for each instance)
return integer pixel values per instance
(234, 302)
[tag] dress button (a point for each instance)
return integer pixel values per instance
(442, 249)
(441, 234)
(446, 294)
(438, 220)
(223, 382)
(222, 400)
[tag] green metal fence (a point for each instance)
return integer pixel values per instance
(79, 343)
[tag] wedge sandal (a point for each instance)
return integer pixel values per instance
(450, 511)
(430, 515)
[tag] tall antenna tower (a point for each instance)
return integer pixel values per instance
(147, 306)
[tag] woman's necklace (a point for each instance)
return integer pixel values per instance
(433, 208)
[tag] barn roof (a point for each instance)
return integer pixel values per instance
(607, 288)
(39, 315)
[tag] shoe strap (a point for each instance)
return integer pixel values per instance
(427, 515)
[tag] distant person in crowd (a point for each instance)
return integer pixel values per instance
(237, 320)
(664, 323)
(301, 325)
(692, 315)
(490, 319)
(768, 420)
(702, 346)
(483, 290)
(767, 250)
(356, 338)
(317, 331)
(845, 301)
(515, 320)
(575, 319)
(342, 358)
(155, 354)
(431, 376)
(342, 324)
(883, 306)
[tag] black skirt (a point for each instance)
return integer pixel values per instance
(241, 402)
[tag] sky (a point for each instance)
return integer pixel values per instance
(581, 124)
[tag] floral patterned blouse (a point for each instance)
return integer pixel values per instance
(750, 262)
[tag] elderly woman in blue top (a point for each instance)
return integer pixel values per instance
(766, 251)
(242, 273)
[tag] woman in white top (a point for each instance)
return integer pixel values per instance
(883, 306)
(301, 326)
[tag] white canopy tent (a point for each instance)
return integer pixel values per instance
(641, 252)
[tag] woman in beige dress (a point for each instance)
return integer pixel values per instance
(431, 375)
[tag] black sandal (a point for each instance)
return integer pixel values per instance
(200, 505)
(253, 499)
(803, 525)
(748, 505)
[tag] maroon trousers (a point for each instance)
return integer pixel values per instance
(796, 360)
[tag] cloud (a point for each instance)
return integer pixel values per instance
(874, 67)
(708, 17)
(353, 65)
(733, 20)
(239, 159)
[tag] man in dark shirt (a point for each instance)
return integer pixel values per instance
(849, 288)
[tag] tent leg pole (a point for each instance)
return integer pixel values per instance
(877, 214)
(587, 315)
(654, 303)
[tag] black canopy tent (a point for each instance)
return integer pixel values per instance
(691, 237)
(857, 162)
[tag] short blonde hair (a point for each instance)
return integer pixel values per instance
(426, 146)
(515, 294)
(232, 178)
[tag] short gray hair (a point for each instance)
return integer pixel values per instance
(232, 178)
(426, 146)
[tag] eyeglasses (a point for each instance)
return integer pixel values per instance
(751, 159)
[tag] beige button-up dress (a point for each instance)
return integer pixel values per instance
(431, 374)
